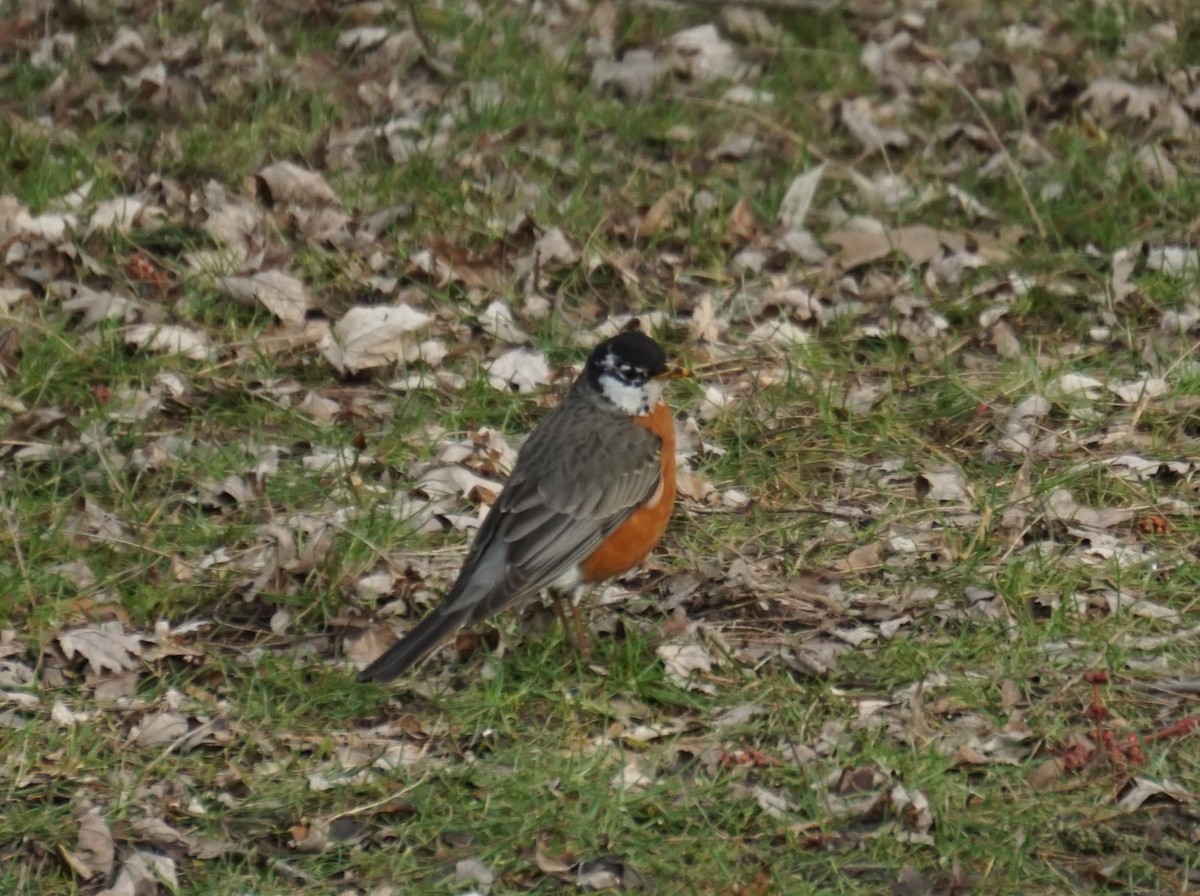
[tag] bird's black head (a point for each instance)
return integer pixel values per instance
(632, 358)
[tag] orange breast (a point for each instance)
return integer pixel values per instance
(638, 535)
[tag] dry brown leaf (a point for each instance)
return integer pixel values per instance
(142, 873)
(518, 370)
(94, 853)
(793, 210)
(283, 295)
(861, 119)
(105, 647)
(701, 54)
(862, 558)
(636, 75)
(285, 182)
(1063, 506)
(682, 663)
(163, 727)
(370, 336)
(170, 339)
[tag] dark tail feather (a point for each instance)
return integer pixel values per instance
(413, 647)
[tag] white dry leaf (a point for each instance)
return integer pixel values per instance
(704, 327)
(798, 199)
(1113, 100)
(1015, 516)
(735, 499)
(735, 147)
(77, 572)
(144, 872)
(1156, 164)
(1077, 385)
(1173, 260)
(497, 320)
(11, 296)
(94, 851)
(1145, 788)
(518, 370)
(1004, 338)
(742, 95)
(281, 621)
(170, 339)
(363, 39)
(632, 777)
(856, 635)
(1136, 390)
(1118, 601)
(371, 587)
(1123, 262)
(944, 485)
(65, 717)
(683, 661)
(318, 408)
(397, 756)
(553, 251)
(427, 379)
(749, 261)
(859, 117)
(916, 818)
(431, 352)
(635, 75)
(1102, 548)
(335, 460)
(96, 306)
(1133, 466)
(1032, 407)
(650, 322)
(162, 727)
(473, 871)
(283, 295)
(370, 336)
(125, 51)
(230, 491)
(1063, 506)
(772, 802)
(106, 647)
(779, 332)
(753, 26)
(701, 54)
(123, 214)
(233, 221)
(455, 480)
(885, 189)
(288, 183)
(714, 403)
(690, 484)
(149, 79)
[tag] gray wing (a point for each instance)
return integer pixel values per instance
(587, 484)
(572, 486)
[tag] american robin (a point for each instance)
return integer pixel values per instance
(589, 497)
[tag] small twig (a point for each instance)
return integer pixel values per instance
(1004, 153)
(382, 801)
(1180, 729)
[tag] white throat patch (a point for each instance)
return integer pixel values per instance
(628, 398)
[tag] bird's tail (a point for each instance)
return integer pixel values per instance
(413, 647)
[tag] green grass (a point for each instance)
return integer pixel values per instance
(956, 662)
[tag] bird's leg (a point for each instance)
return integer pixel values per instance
(582, 641)
(573, 630)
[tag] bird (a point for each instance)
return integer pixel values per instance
(589, 497)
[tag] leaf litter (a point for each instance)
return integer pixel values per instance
(858, 248)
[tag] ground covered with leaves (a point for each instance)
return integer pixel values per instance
(284, 284)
